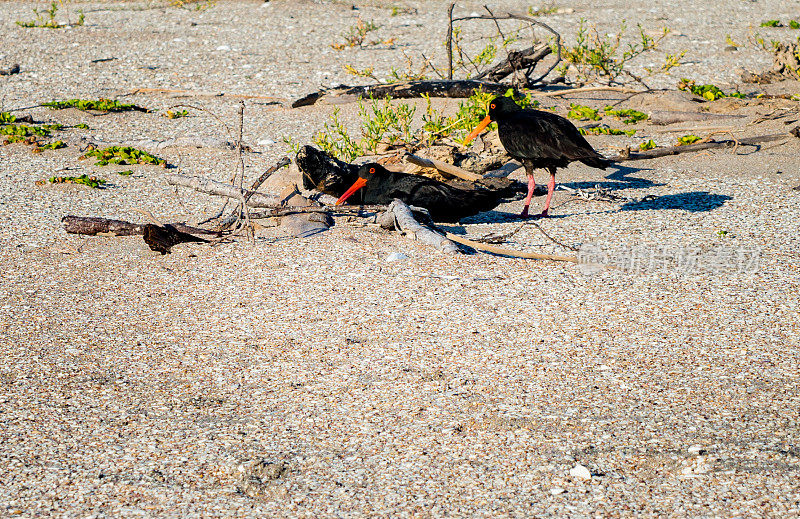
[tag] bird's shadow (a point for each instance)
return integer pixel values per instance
(622, 178)
(694, 201)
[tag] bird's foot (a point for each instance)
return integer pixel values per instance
(524, 214)
(543, 214)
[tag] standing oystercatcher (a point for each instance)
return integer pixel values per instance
(538, 140)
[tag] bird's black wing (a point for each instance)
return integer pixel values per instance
(534, 134)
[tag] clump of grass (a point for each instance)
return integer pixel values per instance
(605, 58)
(122, 155)
(648, 145)
(687, 139)
(176, 114)
(582, 113)
(627, 116)
(708, 92)
(99, 105)
(47, 19)
(604, 130)
(355, 35)
(55, 145)
(86, 180)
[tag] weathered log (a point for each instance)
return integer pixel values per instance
(212, 187)
(688, 148)
(92, 225)
(412, 89)
(405, 222)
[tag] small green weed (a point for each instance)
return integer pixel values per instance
(81, 126)
(50, 21)
(582, 113)
(604, 130)
(648, 145)
(627, 116)
(687, 139)
(722, 233)
(23, 130)
(122, 155)
(55, 145)
(86, 180)
(771, 23)
(546, 9)
(708, 92)
(125, 173)
(794, 24)
(355, 35)
(7, 118)
(100, 105)
(176, 114)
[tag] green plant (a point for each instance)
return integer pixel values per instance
(55, 145)
(122, 155)
(100, 105)
(82, 126)
(549, 8)
(385, 123)
(794, 24)
(582, 113)
(722, 233)
(648, 145)
(50, 22)
(604, 57)
(356, 34)
(604, 130)
(687, 139)
(176, 114)
(626, 115)
(335, 140)
(771, 23)
(23, 130)
(294, 146)
(125, 173)
(84, 179)
(708, 92)
(7, 118)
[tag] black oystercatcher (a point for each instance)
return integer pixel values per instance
(445, 202)
(538, 140)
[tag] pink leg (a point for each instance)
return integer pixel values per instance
(551, 186)
(531, 189)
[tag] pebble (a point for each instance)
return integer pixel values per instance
(580, 472)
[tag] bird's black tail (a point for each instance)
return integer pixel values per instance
(597, 161)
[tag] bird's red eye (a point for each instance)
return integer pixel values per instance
(372, 170)
(492, 106)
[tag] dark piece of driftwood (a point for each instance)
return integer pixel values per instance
(411, 89)
(726, 143)
(92, 225)
(404, 221)
(212, 187)
(516, 62)
(13, 69)
(163, 238)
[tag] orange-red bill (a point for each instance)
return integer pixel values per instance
(355, 187)
(486, 121)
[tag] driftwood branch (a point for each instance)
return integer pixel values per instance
(444, 167)
(212, 187)
(689, 148)
(485, 247)
(408, 90)
(91, 225)
(405, 222)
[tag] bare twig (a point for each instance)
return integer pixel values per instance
(443, 167)
(285, 161)
(450, 42)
